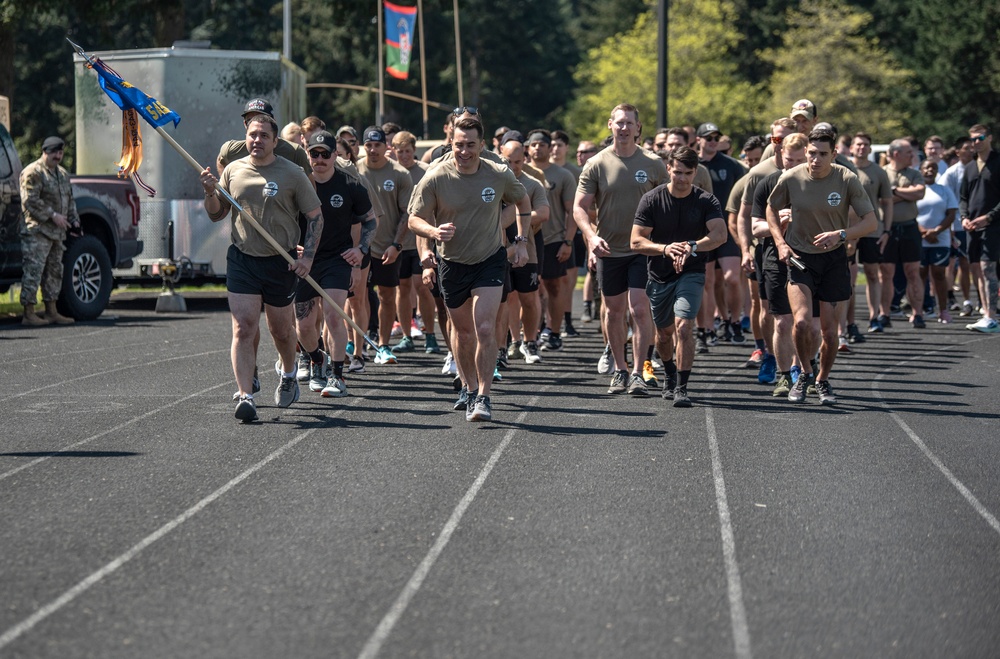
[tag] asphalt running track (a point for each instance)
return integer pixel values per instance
(139, 519)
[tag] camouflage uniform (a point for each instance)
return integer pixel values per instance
(43, 193)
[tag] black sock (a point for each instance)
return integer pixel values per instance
(682, 378)
(649, 352)
(568, 318)
(701, 332)
(338, 369)
(316, 356)
(670, 367)
(812, 365)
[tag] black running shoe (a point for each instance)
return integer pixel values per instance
(246, 411)
(463, 400)
(681, 398)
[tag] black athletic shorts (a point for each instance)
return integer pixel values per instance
(508, 284)
(962, 251)
(775, 275)
(617, 274)
(383, 275)
(868, 251)
(827, 275)
(989, 250)
(551, 267)
(266, 276)
(409, 264)
(579, 250)
(525, 278)
(758, 274)
(728, 248)
(904, 244)
(332, 272)
(458, 280)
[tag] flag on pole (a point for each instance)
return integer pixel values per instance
(399, 39)
(134, 103)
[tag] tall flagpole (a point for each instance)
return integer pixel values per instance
(423, 64)
(458, 57)
(381, 68)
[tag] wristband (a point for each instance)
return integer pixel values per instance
(520, 239)
(399, 247)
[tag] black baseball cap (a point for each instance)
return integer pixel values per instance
(374, 134)
(258, 106)
(52, 143)
(322, 139)
(707, 129)
(347, 129)
(512, 136)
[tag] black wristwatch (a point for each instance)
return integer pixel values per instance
(843, 236)
(568, 242)
(399, 247)
(694, 246)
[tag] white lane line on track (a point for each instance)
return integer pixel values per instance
(78, 352)
(384, 628)
(915, 438)
(124, 424)
(63, 383)
(41, 614)
(734, 583)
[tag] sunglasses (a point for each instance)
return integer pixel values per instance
(585, 152)
(319, 153)
(711, 138)
(59, 150)
(776, 140)
(471, 109)
(980, 138)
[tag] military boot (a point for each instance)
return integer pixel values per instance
(54, 316)
(33, 319)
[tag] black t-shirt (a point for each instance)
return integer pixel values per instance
(725, 171)
(676, 220)
(760, 196)
(344, 202)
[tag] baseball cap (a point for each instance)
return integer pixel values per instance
(805, 107)
(322, 139)
(539, 137)
(347, 129)
(52, 143)
(824, 126)
(258, 105)
(707, 129)
(374, 134)
(512, 136)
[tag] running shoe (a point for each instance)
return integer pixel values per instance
(449, 364)
(929, 312)
(966, 309)
(700, 345)
(811, 389)
(885, 321)
(945, 317)
(456, 383)
(415, 331)
(649, 375)
(782, 386)
(712, 339)
(842, 345)
(255, 387)
(985, 325)
(681, 398)
(797, 392)
(668, 391)
(854, 335)
(397, 330)
(302, 366)
(636, 387)
(481, 410)
(463, 400)
(419, 320)
(756, 359)
(317, 375)
(606, 364)
(431, 346)
(502, 361)
(405, 345)
(619, 383)
(874, 327)
(530, 351)
(737, 335)
(496, 375)
(385, 356)
(357, 365)
(246, 411)
(570, 331)
(587, 316)
(953, 304)
(726, 335)
(745, 324)
(553, 343)
(543, 335)
(795, 372)
(335, 388)
(918, 322)
(768, 372)
(825, 391)
(287, 392)
(350, 349)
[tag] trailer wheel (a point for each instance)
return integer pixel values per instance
(87, 280)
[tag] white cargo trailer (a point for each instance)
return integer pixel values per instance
(208, 89)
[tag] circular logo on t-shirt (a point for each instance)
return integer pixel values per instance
(833, 199)
(270, 189)
(641, 176)
(388, 185)
(336, 201)
(489, 194)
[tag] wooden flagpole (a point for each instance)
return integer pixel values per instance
(423, 66)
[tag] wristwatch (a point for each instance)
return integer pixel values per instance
(399, 247)
(694, 246)
(843, 236)
(567, 242)
(520, 239)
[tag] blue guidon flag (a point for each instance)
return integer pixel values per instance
(134, 103)
(398, 39)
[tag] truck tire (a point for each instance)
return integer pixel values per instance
(87, 281)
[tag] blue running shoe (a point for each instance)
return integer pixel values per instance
(350, 349)
(768, 372)
(796, 371)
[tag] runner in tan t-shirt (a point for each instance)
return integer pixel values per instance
(820, 196)
(458, 205)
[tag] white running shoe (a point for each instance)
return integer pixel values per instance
(449, 364)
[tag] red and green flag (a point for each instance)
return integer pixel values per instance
(399, 39)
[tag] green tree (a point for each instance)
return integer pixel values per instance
(854, 82)
(703, 77)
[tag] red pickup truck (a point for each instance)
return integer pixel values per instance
(109, 216)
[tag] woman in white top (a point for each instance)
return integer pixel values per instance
(935, 215)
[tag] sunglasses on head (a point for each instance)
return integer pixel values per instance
(471, 109)
(320, 153)
(980, 138)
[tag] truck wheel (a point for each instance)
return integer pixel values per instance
(87, 281)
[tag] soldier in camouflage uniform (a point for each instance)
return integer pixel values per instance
(49, 211)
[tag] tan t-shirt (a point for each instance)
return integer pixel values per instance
(755, 175)
(233, 150)
(416, 173)
(876, 183)
(539, 199)
(703, 178)
(903, 212)
(818, 205)
(393, 187)
(617, 185)
(274, 195)
(560, 187)
(469, 201)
